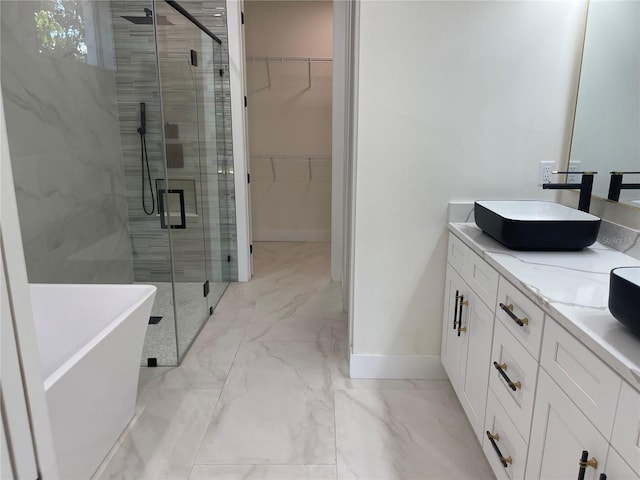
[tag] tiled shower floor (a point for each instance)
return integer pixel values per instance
(160, 340)
(264, 394)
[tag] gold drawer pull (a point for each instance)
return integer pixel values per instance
(502, 367)
(508, 309)
(493, 438)
(584, 463)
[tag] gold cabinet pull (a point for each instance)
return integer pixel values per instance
(502, 367)
(584, 463)
(493, 438)
(593, 463)
(508, 309)
(460, 302)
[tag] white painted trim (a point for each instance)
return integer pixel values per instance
(339, 135)
(235, 31)
(353, 27)
(291, 235)
(423, 367)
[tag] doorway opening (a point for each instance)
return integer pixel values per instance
(289, 68)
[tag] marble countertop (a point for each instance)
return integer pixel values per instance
(573, 288)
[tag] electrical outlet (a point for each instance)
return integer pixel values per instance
(575, 167)
(544, 172)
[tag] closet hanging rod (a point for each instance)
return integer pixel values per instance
(290, 59)
(301, 157)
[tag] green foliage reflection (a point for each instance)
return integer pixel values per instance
(61, 29)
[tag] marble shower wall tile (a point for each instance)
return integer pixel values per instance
(137, 81)
(62, 124)
(387, 435)
(276, 408)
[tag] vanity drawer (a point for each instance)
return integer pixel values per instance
(529, 322)
(508, 441)
(586, 379)
(626, 428)
(458, 253)
(522, 370)
(482, 279)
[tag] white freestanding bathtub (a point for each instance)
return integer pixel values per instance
(90, 339)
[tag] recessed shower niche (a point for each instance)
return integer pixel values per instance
(118, 118)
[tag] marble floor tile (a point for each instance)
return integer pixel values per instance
(263, 472)
(394, 434)
(209, 360)
(162, 441)
(305, 317)
(276, 407)
(265, 393)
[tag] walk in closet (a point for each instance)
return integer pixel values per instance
(289, 49)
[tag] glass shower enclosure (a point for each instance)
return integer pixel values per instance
(190, 198)
(117, 115)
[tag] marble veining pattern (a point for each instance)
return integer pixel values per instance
(264, 393)
(62, 125)
(572, 287)
(390, 434)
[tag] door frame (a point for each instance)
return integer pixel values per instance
(240, 137)
(344, 113)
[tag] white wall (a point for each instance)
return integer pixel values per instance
(457, 101)
(291, 197)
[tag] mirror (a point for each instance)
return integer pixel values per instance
(606, 132)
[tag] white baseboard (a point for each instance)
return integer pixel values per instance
(424, 367)
(291, 235)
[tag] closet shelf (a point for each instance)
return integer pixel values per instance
(304, 158)
(307, 60)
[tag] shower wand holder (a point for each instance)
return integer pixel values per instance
(142, 130)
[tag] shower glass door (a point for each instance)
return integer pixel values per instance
(182, 199)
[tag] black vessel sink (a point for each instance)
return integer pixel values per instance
(535, 225)
(624, 296)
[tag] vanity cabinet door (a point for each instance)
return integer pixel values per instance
(626, 430)
(585, 378)
(617, 469)
(453, 342)
(477, 326)
(560, 433)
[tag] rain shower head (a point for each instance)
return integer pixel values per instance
(147, 19)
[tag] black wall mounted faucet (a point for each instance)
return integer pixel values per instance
(616, 185)
(585, 187)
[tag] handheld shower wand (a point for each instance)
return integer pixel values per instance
(144, 160)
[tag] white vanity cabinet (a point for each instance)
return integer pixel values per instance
(551, 399)
(467, 331)
(625, 438)
(560, 433)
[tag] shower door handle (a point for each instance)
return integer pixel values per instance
(165, 219)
